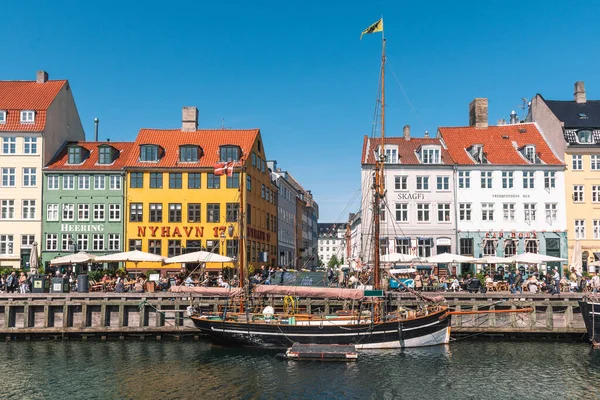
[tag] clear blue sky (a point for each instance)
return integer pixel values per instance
(298, 71)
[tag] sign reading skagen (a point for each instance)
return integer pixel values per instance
(82, 227)
(411, 196)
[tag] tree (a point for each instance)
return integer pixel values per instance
(333, 262)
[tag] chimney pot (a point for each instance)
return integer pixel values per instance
(189, 119)
(579, 94)
(426, 136)
(42, 77)
(478, 113)
(406, 132)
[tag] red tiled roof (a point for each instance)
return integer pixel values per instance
(208, 139)
(59, 163)
(406, 149)
(498, 143)
(16, 96)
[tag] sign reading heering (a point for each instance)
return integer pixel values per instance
(82, 227)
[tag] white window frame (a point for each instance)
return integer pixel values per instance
(595, 162)
(444, 181)
(402, 212)
(30, 145)
(7, 245)
(114, 242)
(53, 182)
(9, 145)
(551, 210)
(28, 209)
(508, 211)
(29, 177)
(27, 116)
(487, 211)
(68, 212)
(530, 153)
(2, 116)
(51, 241)
(97, 241)
(444, 208)
(486, 180)
(68, 182)
(7, 207)
(423, 212)
(464, 179)
(577, 162)
(549, 180)
(99, 182)
(596, 225)
(52, 213)
(529, 210)
(83, 242)
(508, 179)
(528, 179)
(115, 182)
(464, 211)
(578, 193)
(99, 208)
(114, 209)
(579, 228)
(83, 182)
(595, 193)
(400, 182)
(423, 182)
(85, 209)
(64, 242)
(10, 173)
(430, 155)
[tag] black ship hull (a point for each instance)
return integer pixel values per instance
(590, 312)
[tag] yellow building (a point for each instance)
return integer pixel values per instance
(176, 203)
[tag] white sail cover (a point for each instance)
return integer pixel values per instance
(309, 291)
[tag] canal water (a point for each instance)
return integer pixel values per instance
(199, 370)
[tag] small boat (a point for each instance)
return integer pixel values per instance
(590, 311)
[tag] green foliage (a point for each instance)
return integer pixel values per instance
(333, 262)
(6, 271)
(95, 275)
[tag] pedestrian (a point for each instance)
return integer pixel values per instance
(511, 282)
(418, 282)
(22, 283)
(12, 282)
(556, 278)
(518, 282)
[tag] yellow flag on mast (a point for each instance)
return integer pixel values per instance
(376, 27)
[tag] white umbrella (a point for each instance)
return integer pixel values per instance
(533, 258)
(402, 271)
(447, 258)
(493, 260)
(135, 256)
(81, 257)
(198, 257)
(576, 256)
(33, 259)
(397, 258)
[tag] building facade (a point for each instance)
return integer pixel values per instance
(176, 202)
(83, 200)
(353, 239)
(36, 118)
(509, 188)
(286, 217)
(332, 242)
(417, 215)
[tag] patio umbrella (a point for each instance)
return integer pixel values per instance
(198, 257)
(135, 256)
(576, 256)
(397, 258)
(448, 258)
(33, 259)
(81, 257)
(533, 258)
(493, 260)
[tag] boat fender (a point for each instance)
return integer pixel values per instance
(268, 313)
(190, 311)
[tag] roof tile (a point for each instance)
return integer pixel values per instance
(406, 149)
(59, 163)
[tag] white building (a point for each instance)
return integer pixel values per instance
(332, 242)
(353, 239)
(36, 118)
(286, 216)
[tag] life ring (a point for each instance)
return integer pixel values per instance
(289, 305)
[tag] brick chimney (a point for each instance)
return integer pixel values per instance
(478, 113)
(579, 94)
(406, 132)
(41, 77)
(189, 119)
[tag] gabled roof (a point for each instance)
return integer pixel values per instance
(326, 228)
(16, 96)
(59, 163)
(569, 112)
(406, 149)
(501, 143)
(208, 139)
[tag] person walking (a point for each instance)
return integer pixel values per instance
(12, 282)
(22, 283)
(518, 282)
(511, 282)
(556, 278)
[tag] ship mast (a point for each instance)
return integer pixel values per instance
(379, 181)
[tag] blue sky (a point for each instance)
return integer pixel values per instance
(298, 71)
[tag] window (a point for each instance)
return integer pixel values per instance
(8, 209)
(549, 180)
(391, 156)
(51, 212)
(528, 180)
(232, 212)
(486, 179)
(156, 180)
(230, 153)
(262, 191)
(402, 212)
(175, 180)
(68, 212)
(487, 211)
(114, 242)
(83, 212)
(6, 244)
(489, 247)
(466, 246)
(529, 209)
(248, 214)
(382, 213)
(98, 242)
(82, 242)
(443, 183)
(531, 246)
(174, 212)
(99, 182)
(174, 248)
(595, 162)
(551, 212)
(156, 212)
(233, 181)
(401, 182)
(403, 245)
(232, 247)
(8, 177)
(213, 211)
(213, 181)
(596, 224)
(27, 117)
(579, 229)
(29, 177)
(584, 137)
(248, 182)
(194, 181)
(74, 155)
(66, 242)
(28, 211)
(578, 193)
(68, 182)
(577, 162)
(135, 244)
(422, 183)
(595, 194)
(430, 156)
(105, 157)
(154, 246)
(114, 182)
(136, 180)
(213, 246)
(194, 213)
(508, 211)
(253, 159)
(464, 211)
(51, 241)
(2, 116)
(383, 246)
(149, 153)
(464, 179)
(510, 248)
(443, 212)
(84, 182)
(9, 145)
(99, 210)
(530, 153)
(424, 246)
(507, 179)
(189, 153)
(30, 145)
(114, 212)
(422, 212)
(52, 182)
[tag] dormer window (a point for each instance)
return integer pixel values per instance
(530, 153)
(391, 154)
(189, 153)
(2, 116)
(430, 155)
(584, 137)
(75, 155)
(27, 117)
(476, 152)
(106, 155)
(149, 152)
(229, 153)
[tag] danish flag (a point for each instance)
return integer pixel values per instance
(224, 168)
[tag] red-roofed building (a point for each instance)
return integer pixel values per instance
(175, 203)
(510, 187)
(36, 118)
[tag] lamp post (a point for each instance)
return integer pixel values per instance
(223, 251)
(73, 244)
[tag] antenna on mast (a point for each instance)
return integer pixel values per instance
(525, 107)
